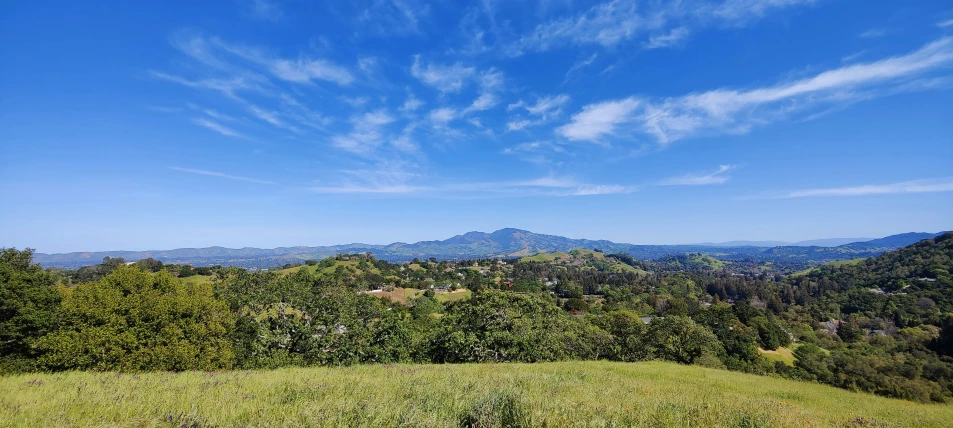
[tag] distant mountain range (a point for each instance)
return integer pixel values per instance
(502, 243)
(829, 242)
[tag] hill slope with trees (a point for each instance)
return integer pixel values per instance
(883, 325)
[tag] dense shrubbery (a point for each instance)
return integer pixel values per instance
(140, 317)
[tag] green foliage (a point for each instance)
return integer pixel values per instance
(133, 320)
(28, 303)
(680, 339)
(894, 316)
(628, 336)
(495, 326)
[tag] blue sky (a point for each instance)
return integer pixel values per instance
(273, 123)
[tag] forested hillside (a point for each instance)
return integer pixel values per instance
(883, 325)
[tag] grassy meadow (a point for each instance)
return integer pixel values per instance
(651, 394)
(782, 354)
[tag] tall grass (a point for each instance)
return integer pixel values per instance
(649, 394)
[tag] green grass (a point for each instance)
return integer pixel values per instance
(784, 355)
(708, 261)
(197, 279)
(834, 263)
(552, 394)
(583, 253)
(330, 269)
(454, 296)
(545, 257)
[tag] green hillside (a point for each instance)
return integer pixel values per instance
(831, 264)
(550, 394)
(584, 258)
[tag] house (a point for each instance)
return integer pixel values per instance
(830, 327)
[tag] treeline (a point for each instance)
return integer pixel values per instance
(883, 326)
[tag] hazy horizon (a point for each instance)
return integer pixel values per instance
(462, 233)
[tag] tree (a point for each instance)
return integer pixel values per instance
(628, 336)
(849, 331)
(679, 339)
(133, 320)
(28, 303)
(150, 264)
(495, 326)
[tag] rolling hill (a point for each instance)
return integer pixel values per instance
(591, 393)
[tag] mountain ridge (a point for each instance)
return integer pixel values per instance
(507, 242)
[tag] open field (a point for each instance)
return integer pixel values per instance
(403, 295)
(451, 296)
(649, 394)
(545, 257)
(782, 354)
(327, 270)
(834, 263)
(197, 279)
(399, 295)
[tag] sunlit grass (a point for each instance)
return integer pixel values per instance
(782, 354)
(551, 394)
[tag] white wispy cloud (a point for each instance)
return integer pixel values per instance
(443, 115)
(737, 111)
(390, 179)
(393, 17)
(412, 103)
(672, 38)
(384, 176)
(404, 142)
(599, 190)
(915, 186)
(218, 115)
(537, 152)
(873, 33)
(216, 53)
(613, 22)
(945, 24)
(544, 110)
(533, 146)
(217, 127)
(598, 120)
(717, 177)
(445, 78)
(308, 70)
(267, 116)
(542, 186)
(354, 101)
(517, 125)
(485, 101)
(853, 56)
(219, 175)
(548, 106)
(227, 86)
(490, 82)
(579, 65)
(368, 189)
(366, 133)
(264, 9)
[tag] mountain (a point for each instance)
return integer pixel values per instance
(829, 242)
(502, 243)
(895, 241)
